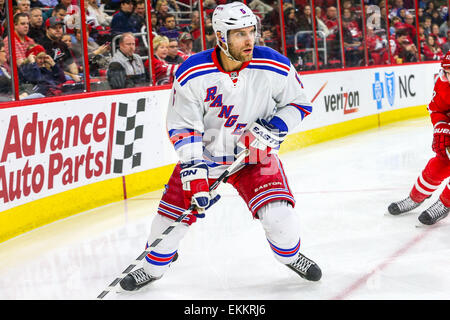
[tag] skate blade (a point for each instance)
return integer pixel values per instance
(420, 225)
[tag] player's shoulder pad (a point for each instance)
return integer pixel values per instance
(269, 60)
(196, 65)
(270, 54)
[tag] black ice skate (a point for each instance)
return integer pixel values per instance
(433, 214)
(403, 206)
(306, 268)
(138, 278)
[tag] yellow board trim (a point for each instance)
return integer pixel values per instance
(29, 216)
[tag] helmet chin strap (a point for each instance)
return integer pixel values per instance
(227, 52)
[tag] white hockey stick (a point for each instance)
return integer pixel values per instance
(169, 229)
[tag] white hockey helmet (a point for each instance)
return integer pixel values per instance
(230, 16)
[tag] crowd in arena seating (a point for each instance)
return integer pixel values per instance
(50, 56)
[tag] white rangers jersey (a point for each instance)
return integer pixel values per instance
(210, 108)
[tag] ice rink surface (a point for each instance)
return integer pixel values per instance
(342, 188)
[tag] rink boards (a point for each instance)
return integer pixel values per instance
(66, 156)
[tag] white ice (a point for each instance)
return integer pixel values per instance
(343, 188)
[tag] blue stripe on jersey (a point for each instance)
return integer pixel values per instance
(213, 161)
(269, 53)
(194, 60)
(197, 74)
(178, 131)
(284, 73)
(187, 140)
(304, 110)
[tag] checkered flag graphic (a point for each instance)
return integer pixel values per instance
(129, 130)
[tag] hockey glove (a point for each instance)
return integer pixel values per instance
(441, 139)
(260, 138)
(194, 178)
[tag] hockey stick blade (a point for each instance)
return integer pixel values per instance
(169, 229)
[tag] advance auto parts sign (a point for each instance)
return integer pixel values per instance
(47, 149)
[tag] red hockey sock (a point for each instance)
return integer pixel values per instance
(445, 196)
(430, 179)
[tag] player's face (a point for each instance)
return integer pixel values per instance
(241, 43)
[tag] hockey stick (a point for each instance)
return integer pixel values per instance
(169, 229)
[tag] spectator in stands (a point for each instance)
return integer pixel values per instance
(331, 21)
(139, 15)
(401, 13)
(24, 6)
(421, 36)
(98, 55)
(429, 7)
(436, 18)
(5, 72)
(445, 26)
(348, 4)
(65, 3)
(398, 5)
(291, 28)
(410, 26)
(164, 72)
(59, 12)
(22, 41)
(2, 11)
(186, 42)
(431, 50)
(267, 38)
(169, 28)
(376, 48)
(210, 40)
(446, 46)
(173, 6)
(162, 9)
(194, 27)
(77, 57)
(121, 22)
(98, 14)
(37, 29)
(420, 15)
(352, 24)
(126, 68)
(320, 23)
(333, 39)
(172, 53)
(154, 21)
(427, 26)
(402, 49)
(259, 6)
(352, 45)
(40, 70)
(305, 19)
(435, 33)
(166, 6)
(58, 50)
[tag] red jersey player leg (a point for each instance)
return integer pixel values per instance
(438, 168)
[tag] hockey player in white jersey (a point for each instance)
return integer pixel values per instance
(234, 97)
